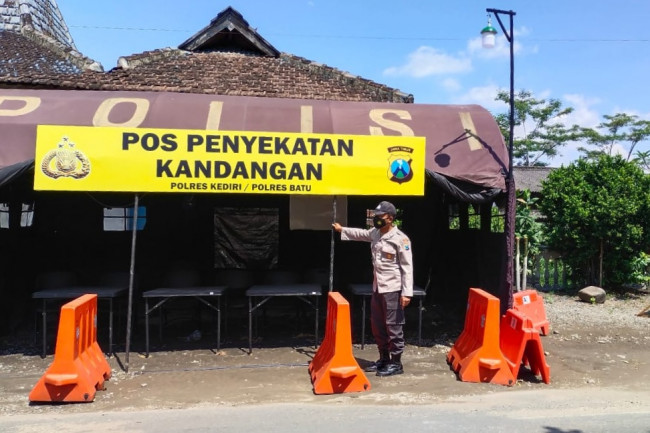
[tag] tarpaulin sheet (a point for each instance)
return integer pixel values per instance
(462, 141)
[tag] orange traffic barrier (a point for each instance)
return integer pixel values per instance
(521, 344)
(532, 305)
(476, 355)
(79, 367)
(334, 369)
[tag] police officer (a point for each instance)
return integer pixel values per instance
(392, 286)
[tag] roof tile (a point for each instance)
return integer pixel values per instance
(214, 66)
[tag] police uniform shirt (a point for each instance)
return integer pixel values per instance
(392, 258)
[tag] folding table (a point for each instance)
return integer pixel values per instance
(268, 291)
(199, 293)
(106, 293)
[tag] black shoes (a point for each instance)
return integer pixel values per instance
(384, 358)
(377, 365)
(393, 367)
(387, 365)
(390, 369)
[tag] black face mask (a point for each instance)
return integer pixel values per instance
(378, 222)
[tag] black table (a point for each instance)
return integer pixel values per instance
(199, 293)
(365, 292)
(105, 293)
(268, 291)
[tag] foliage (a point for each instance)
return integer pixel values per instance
(526, 225)
(551, 273)
(598, 214)
(641, 269)
(497, 222)
(397, 221)
(622, 129)
(642, 159)
(474, 219)
(541, 122)
(528, 233)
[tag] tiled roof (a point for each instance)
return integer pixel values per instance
(530, 178)
(35, 44)
(40, 16)
(244, 74)
(227, 57)
(229, 28)
(29, 57)
(226, 73)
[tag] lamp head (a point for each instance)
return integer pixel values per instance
(489, 34)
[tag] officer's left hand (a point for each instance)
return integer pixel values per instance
(404, 301)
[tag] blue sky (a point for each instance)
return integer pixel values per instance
(592, 55)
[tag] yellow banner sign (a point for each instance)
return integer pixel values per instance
(78, 158)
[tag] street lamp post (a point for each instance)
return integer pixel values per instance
(488, 34)
(489, 41)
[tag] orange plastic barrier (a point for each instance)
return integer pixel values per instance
(334, 369)
(521, 344)
(79, 367)
(476, 355)
(532, 305)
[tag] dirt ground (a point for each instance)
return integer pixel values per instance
(583, 355)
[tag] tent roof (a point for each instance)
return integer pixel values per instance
(463, 141)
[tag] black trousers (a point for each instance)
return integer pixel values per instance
(387, 322)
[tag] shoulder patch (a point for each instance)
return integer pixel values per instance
(406, 244)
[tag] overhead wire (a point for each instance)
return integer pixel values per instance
(396, 38)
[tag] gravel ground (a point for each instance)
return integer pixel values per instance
(566, 311)
(591, 348)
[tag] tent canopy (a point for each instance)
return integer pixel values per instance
(463, 142)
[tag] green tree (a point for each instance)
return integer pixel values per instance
(598, 215)
(541, 122)
(622, 129)
(528, 236)
(642, 159)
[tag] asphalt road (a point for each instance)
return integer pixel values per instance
(560, 411)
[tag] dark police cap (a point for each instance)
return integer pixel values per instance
(386, 207)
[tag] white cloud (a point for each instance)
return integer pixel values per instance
(483, 96)
(426, 61)
(583, 114)
(566, 155)
(451, 84)
(618, 149)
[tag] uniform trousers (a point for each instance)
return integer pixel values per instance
(387, 322)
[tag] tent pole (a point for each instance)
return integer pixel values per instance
(332, 246)
(134, 232)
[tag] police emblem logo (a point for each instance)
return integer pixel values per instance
(65, 161)
(399, 164)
